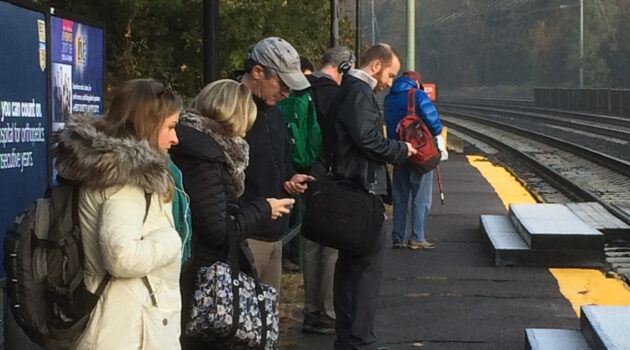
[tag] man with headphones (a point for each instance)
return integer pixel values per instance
(319, 261)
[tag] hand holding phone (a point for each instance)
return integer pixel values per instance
(302, 178)
(297, 184)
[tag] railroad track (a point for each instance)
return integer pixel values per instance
(618, 127)
(578, 172)
(605, 134)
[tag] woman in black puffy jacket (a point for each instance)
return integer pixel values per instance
(212, 156)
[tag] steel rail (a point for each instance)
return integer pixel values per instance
(606, 119)
(618, 165)
(612, 131)
(566, 186)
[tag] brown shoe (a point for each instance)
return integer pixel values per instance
(420, 245)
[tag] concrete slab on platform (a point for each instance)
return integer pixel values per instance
(606, 327)
(554, 339)
(553, 226)
(509, 249)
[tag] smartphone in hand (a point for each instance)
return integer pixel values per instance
(310, 179)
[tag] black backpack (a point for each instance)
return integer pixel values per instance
(44, 261)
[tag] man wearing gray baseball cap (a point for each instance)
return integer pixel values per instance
(272, 69)
(277, 54)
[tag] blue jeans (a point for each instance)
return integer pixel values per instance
(405, 182)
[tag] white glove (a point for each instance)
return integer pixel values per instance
(441, 147)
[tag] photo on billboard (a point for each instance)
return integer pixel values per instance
(61, 92)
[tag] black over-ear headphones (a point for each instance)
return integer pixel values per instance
(345, 66)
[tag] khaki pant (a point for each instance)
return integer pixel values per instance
(268, 261)
(318, 268)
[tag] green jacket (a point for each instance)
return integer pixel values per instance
(181, 211)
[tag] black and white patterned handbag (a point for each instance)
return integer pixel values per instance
(231, 307)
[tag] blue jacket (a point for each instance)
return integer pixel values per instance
(396, 107)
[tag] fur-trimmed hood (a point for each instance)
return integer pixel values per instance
(87, 155)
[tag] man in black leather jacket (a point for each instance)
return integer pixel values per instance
(360, 153)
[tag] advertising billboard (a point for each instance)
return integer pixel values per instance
(23, 111)
(51, 66)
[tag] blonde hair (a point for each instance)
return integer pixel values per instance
(228, 102)
(138, 110)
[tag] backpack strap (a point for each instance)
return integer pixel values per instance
(147, 198)
(411, 101)
(145, 279)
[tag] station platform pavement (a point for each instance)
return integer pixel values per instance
(452, 297)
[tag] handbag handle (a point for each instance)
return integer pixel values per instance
(235, 268)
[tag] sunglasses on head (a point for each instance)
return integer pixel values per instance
(164, 91)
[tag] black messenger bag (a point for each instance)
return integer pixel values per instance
(341, 215)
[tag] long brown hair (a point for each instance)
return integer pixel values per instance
(138, 110)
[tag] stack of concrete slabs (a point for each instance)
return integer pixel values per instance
(554, 226)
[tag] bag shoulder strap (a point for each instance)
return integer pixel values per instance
(145, 279)
(147, 198)
(411, 101)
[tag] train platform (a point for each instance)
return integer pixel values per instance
(454, 297)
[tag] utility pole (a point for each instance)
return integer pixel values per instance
(373, 24)
(358, 36)
(581, 44)
(211, 57)
(334, 24)
(411, 35)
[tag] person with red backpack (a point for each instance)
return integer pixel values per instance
(405, 179)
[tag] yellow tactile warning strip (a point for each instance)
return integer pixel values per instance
(506, 186)
(578, 286)
(590, 287)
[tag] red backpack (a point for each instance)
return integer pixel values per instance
(411, 129)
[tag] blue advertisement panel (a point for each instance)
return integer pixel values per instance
(23, 111)
(77, 69)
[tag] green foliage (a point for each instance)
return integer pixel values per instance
(459, 43)
(304, 23)
(163, 38)
(525, 42)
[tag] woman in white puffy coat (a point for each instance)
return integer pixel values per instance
(120, 162)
